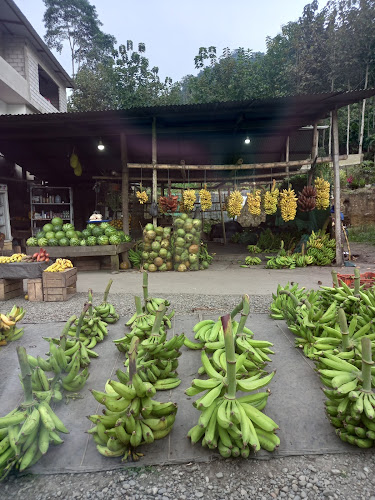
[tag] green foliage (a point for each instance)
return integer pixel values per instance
(362, 234)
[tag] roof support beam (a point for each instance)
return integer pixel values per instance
(336, 187)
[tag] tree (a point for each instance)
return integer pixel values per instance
(76, 22)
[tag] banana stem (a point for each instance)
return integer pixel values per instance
(25, 374)
(80, 320)
(132, 354)
(66, 328)
(158, 319)
(344, 329)
(138, 306)
(145, 287)
(357, 281)
(106, 291)
(335, 281)
(295, 300)
(90, 302)
(366, 364)
(244, 313)
(230, 355)
(237, 309)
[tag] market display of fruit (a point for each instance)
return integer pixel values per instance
(16, 257)
(205, 198)
(234, 204)
(321, 248)
(157, 252)
(322, 193)
(168, 204)
(59, 266)
(188, 200)
(8, 325)
(142, 196)
(288, 204)
(186, 243)
(254, 202)
(270, 199)
(66, 235)
(307, 199)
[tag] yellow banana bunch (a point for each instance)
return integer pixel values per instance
(253, 202)
(322, 193)
(288, 204)
(205, 196)
(234, 204)
(270, 200)
(16, 257)
(142, 197)
(188, 197)
(59, 265)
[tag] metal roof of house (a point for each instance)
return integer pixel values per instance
(15, 23)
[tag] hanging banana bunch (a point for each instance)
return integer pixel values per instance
(141, 195)
(253, 202)
(188, 197)
(234, 204)
(288, 204)
(270, 200)
(322, 193)
(307, 199)
(205, 196)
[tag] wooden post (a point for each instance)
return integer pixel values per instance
(125, 183)
(314, 153)
(287, 157)
(222, 218)
(336, 170)
(154, 171)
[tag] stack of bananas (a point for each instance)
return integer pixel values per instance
(59, 266)
(188, 198)
(288, 204)
(233, 425)
(234, 204)
(253, 202)
(105, 310)
(251, 261)
(270, 199)
(303, 260)
(322, 193)
(135, 257)
(8, 328)
(254, 249)
(43, 388)
(321, 248)
(307, 199)
(142, 197)
(27, 432)
(205, 198)
(131, 417)
(16, 257)
(284, 302)
(92, 327)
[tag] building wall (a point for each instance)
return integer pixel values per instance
(13, 51)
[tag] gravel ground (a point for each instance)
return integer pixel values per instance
(42, 312)
(311, 477)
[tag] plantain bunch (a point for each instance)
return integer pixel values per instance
(188, 197)
(253, 202)
(270, 200)
(322, 193)
(288, 204)
(142, 197)
(234, 203)
(307, 199)
(205, 196)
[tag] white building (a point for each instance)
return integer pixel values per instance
(31, 78)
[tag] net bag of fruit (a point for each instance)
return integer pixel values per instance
(186, 243)
(157, 250)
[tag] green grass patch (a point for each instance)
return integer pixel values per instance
(362, 234)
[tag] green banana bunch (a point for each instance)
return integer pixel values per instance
(283, 303)
(280, 262)
(254, 249)
(131, 417)
(251, 261)
(8, 325)
(303, 260)
(135, 257)
(105, 310)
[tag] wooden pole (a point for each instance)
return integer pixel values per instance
(314, 153)
(154, 170)
(336, 170)
(222, 218)
(287, 157)
(125, 183)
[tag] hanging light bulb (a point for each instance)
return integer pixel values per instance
(101, 146)
(247, 140)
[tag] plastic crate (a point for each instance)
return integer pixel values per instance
(366, 279)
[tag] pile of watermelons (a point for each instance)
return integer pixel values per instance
(56, 233)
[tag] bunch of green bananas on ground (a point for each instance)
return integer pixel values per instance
(280, 262)
(8, 325)
(135, 257)
(283, 302)
(27, 432)
(351, 402)
(349, 299)
(251, 261)
(45, 388)
(205, 257)
(93, 328)
(232, 425)
(105, 310)
(254, 249)
(303, 260)
(321, 248)
(131, 417)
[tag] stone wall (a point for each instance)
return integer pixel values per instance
(358, 206)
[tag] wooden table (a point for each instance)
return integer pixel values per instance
(95, 251)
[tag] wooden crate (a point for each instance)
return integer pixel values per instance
(87, 263)
(61, 286)
(35, 289)
(10, 288)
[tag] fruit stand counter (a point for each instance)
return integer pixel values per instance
(88, 251)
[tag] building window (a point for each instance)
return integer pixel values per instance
(48, 88)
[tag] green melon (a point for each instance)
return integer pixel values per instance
(57, 221)
(31, 242)
(50, 235)
(67, 226)
(48, 227)
(59, 235)
(79, 234)
(39, 235)
(128, 238)
(83, 243)
(114, 239)
(70, 233)
(74, 242)
(90, 226)
(97, 231)
(86, 233)
(42, 242)
(103, 240)
(64, 242)
(104, 225)
(53, 242)
(109, 231)
(91, 241)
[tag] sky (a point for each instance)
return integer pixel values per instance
(174, 30)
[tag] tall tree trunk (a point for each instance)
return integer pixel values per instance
(348, 127)
(330, 126)
(360, 146)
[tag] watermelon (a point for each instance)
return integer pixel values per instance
(79, 234)
(53, 242)
(67, 226)
(57, 221)
(96, 231)
(104, 225)
(57, 228)
(110, 230)
(64, 242)
(114, 239)
(86, 233)
(74, 242)
(59, 235)
(31, 242)
(42, 242)
(89, 227)
(83, 243)
(48, 227)
(50, 235)
(103, 240)
(128, 238)
(39, 235)
(70, 233)
(91, 241)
